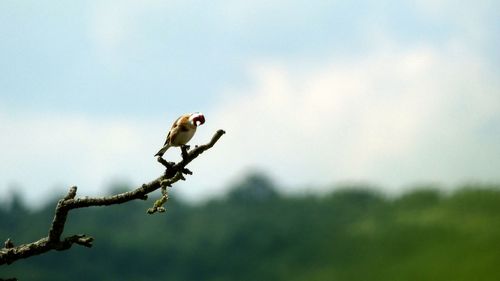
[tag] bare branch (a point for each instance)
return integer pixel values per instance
(173, 173)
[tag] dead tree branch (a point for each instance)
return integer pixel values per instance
(174, 172)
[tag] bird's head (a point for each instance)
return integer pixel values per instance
(197, 118)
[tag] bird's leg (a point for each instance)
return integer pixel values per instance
(184, 150)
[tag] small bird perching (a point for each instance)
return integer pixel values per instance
(173, 173)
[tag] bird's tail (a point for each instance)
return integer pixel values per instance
(162, 150)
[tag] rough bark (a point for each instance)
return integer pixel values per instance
(174, 172)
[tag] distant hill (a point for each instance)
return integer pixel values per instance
(257, 234)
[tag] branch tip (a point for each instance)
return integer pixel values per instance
(71, 193)
(8, 244)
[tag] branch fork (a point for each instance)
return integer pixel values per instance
(173, 173)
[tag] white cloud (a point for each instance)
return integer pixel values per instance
(113, 26)
(391, 118)
(46, 151)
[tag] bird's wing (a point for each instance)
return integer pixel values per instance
(168, 137)
(179, 125)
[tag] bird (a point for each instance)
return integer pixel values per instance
(182, 131)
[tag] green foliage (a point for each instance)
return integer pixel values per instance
(256, 234)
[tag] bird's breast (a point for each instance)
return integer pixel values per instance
(182, 137)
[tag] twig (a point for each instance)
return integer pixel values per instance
(53, 241)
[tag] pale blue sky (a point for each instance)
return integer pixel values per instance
(75, 73)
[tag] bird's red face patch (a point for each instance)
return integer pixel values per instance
(200, 118)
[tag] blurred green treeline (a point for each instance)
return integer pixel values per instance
(257, 234)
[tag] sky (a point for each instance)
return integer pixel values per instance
(313, 93)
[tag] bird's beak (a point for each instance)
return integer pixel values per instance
(200, 119)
